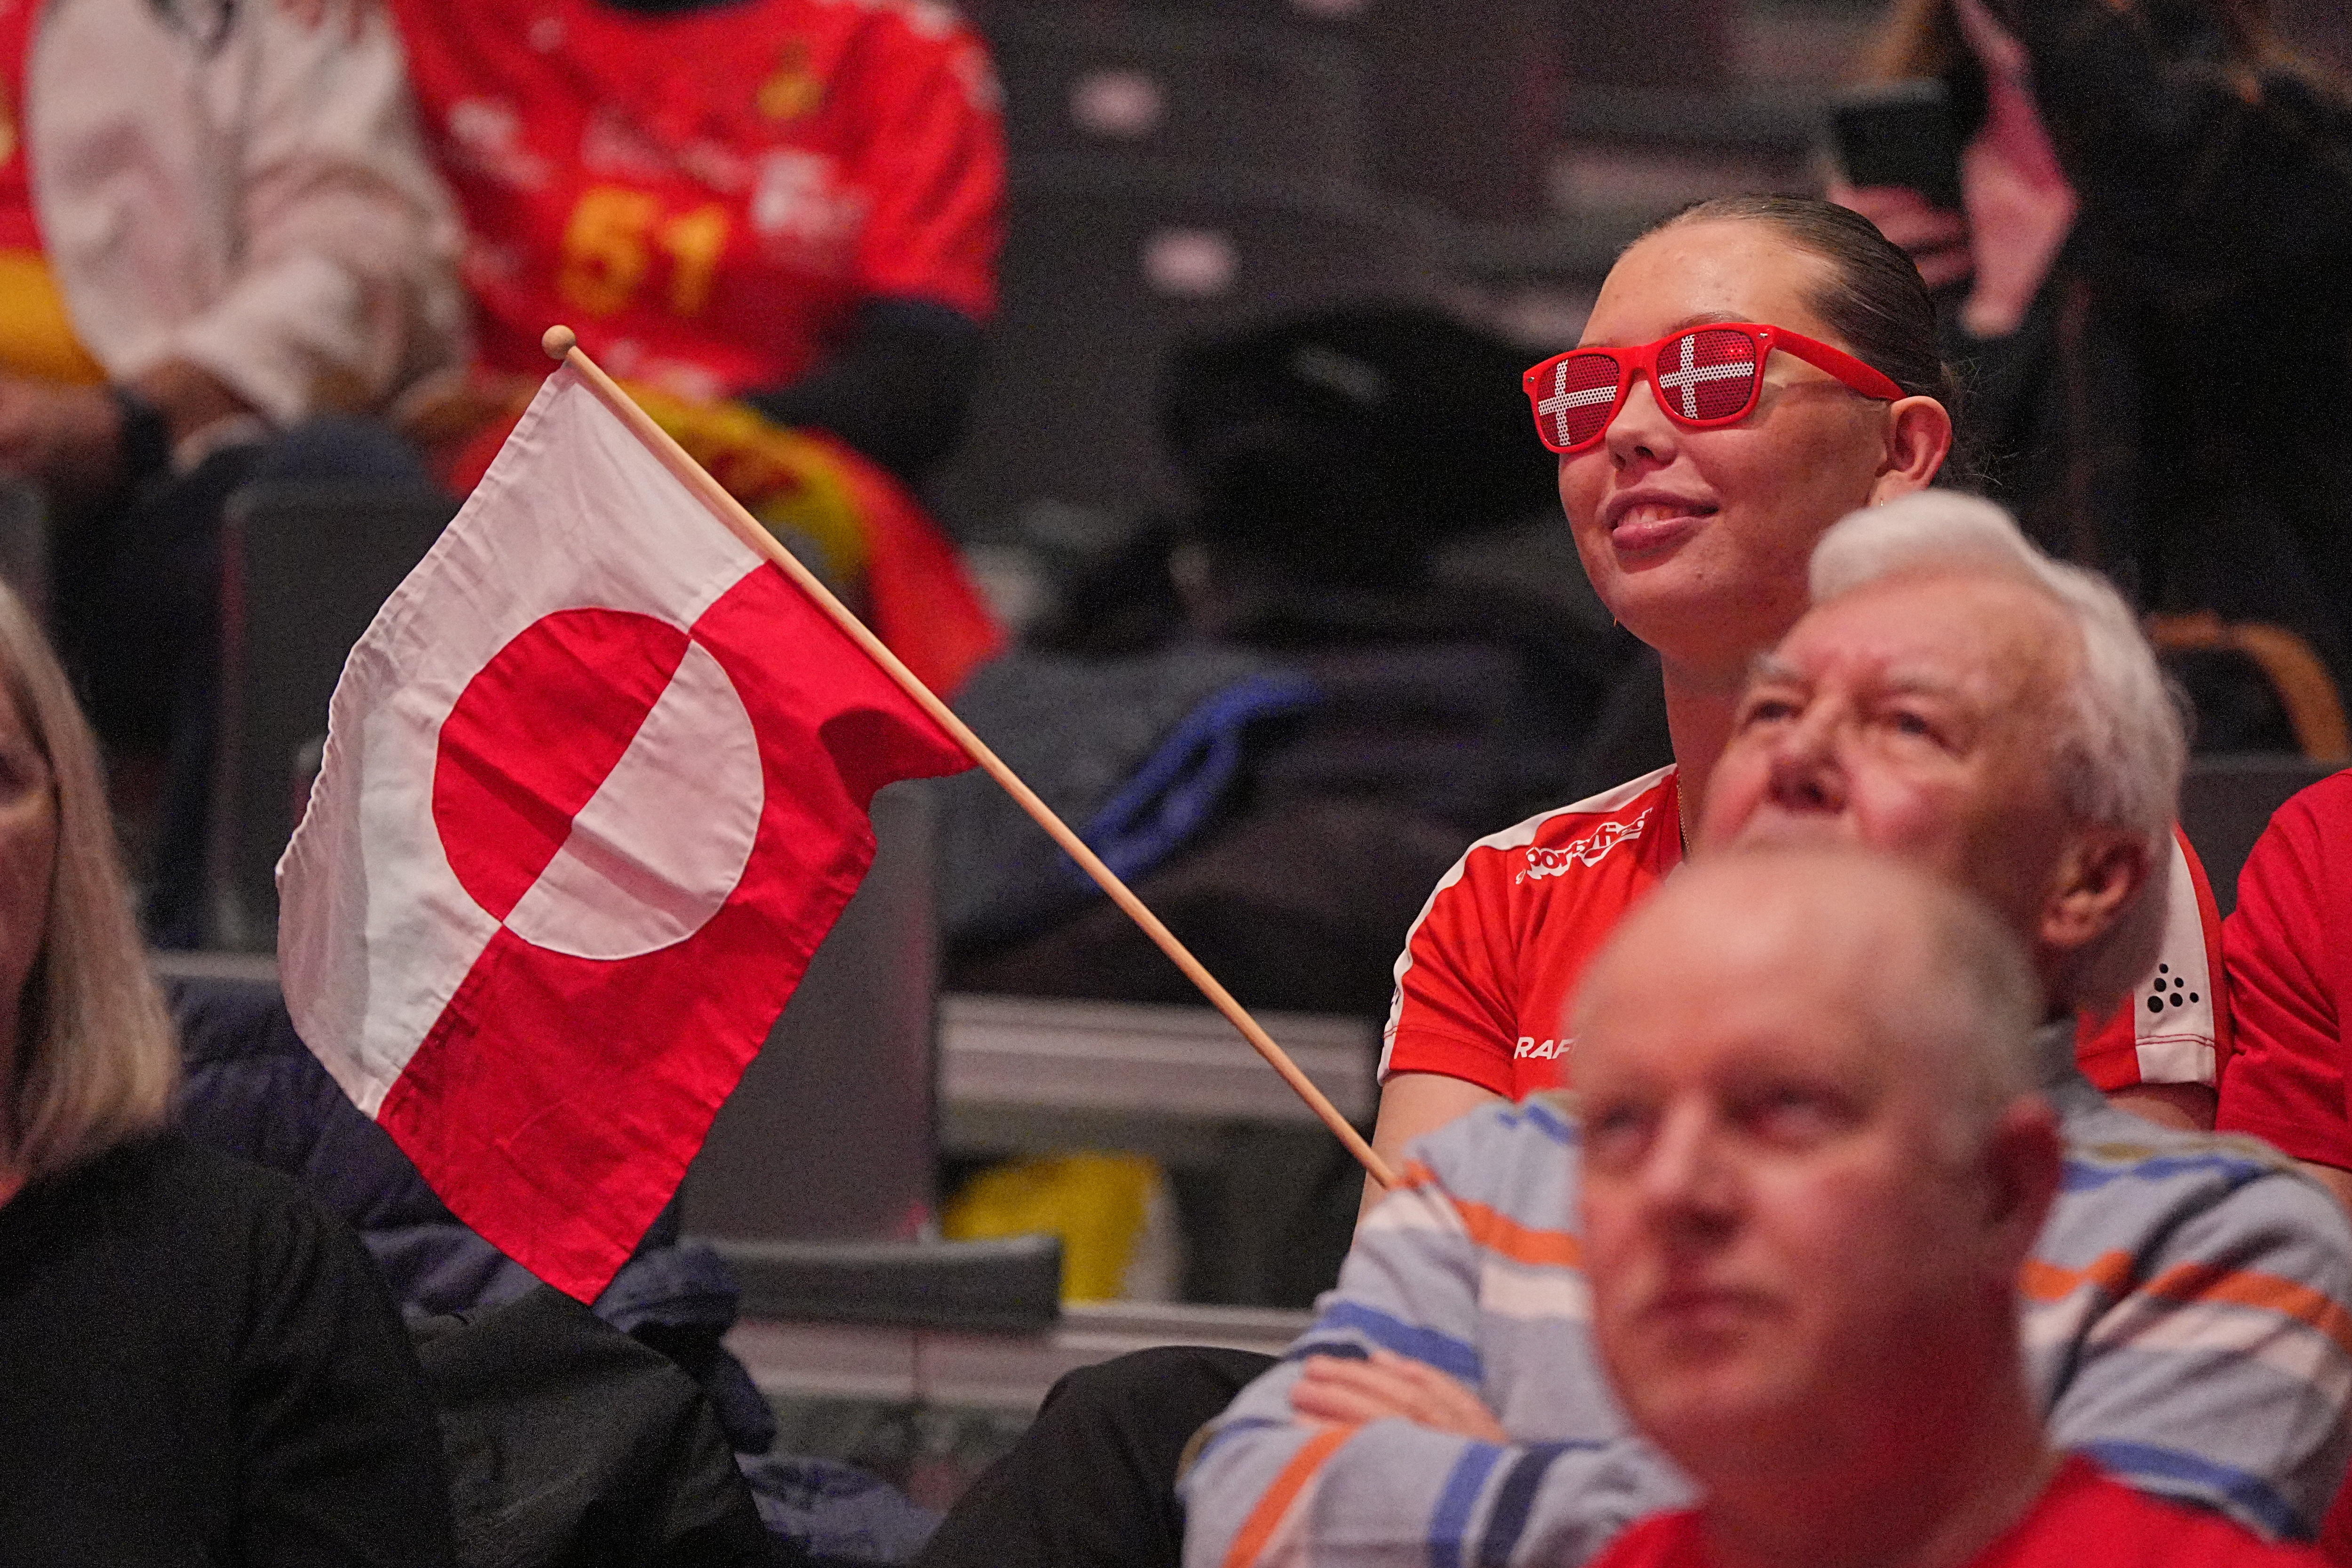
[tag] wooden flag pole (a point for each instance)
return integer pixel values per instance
(562, 345)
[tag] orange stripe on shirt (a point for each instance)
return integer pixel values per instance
(2042, 1281)
(2185, 1282)
(1498, 1232)
(2236, 1287)
(1257, 1530)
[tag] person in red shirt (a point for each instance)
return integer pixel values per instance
(2287, 952)
(1697, 537)
(1795, 1069)
(778, 220)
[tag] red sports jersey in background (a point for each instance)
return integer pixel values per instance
(705, 196)
(2288, 948)
(18, 228)
(1484, 984)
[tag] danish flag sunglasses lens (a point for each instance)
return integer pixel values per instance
(1574, 397)
(1709, 375)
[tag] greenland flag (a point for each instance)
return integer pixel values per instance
(595, 788)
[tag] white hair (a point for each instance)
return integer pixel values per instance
(2122, 743)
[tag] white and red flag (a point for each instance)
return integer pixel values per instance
(595, 788)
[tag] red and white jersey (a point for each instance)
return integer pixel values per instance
(1483, 983)
(705, 196)
(2175, 1025)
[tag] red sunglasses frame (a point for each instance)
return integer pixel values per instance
(1644, 361)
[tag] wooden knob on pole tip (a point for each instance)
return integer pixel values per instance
(559, 341)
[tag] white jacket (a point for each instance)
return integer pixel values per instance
(239, 184)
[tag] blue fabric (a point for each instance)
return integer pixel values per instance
(2082, 1175)
(2142, 1464)
(1172, 795)
(1517, 1496)
(1450, 1524)
(836, 1510)
(1442, 1351)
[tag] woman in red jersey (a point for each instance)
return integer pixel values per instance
(1752, 371)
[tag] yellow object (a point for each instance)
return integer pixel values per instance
(1111, 1211)
(787, 480)
(796, 91)
(36, 331)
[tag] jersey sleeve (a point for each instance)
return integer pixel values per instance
(2174, 1026)
(2286, 1081)
(1453, 1012)
(934, 166)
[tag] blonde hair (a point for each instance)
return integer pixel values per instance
(96, 1060)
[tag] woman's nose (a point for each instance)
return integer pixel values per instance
(1642, 429)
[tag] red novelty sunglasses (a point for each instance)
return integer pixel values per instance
(1703, 377)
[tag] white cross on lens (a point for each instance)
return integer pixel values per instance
(1687, 379)
(1562, 400)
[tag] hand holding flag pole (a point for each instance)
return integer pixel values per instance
(563, 345)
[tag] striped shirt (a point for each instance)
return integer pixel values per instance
(2186, 1327)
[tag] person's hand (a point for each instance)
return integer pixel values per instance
(67, 439)
(1935, 238)
(1348, 1393)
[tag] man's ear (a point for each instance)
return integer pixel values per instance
(1919, 439)
(2024, 1162)
(2098, 872)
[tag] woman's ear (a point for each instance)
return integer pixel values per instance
(1919, 439)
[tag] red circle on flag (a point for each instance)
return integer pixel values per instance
(596, 786)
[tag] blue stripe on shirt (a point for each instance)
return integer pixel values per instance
(1443, 1351)
(2085, 1175)
(1451, 1521)
(1516, 1499)
(2249, 1494)
(1544, 1119)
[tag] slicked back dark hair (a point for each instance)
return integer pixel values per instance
(1875, 304)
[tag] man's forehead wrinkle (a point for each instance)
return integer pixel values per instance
(1879, 671)
(2023, 648)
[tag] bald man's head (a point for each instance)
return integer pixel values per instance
(1813, 1156)
(1891, 947)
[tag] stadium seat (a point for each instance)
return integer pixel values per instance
(1149, 85)
(25, 544)
(2225, 804)
(818, 1181)
(2295, 673)
(304, 570)
(1104, 273)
